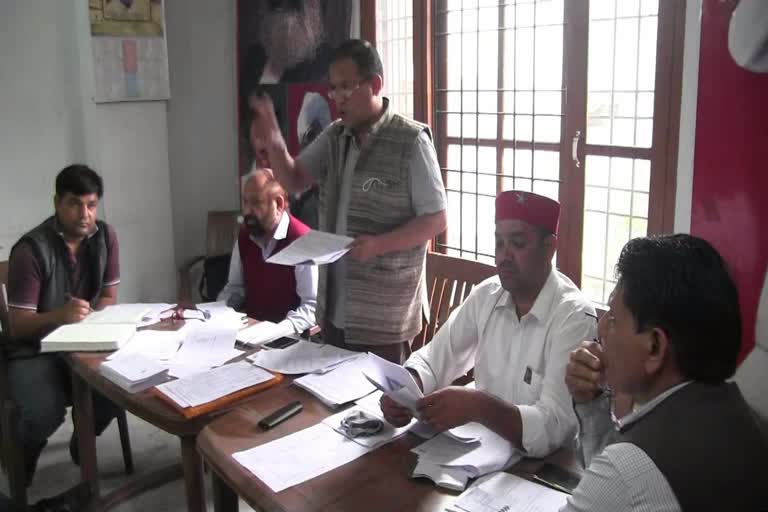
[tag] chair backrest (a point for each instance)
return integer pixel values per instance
(4, 324)
(221, 232)
(449, 281)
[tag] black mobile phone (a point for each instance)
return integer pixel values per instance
(557, 477)
(281, 342)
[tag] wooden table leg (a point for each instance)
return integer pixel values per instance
(193, 475)
(224, 499)
(82, 401)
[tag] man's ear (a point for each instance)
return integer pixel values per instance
(281, 202)
(550, 246)
(659, 350)
(377, 83)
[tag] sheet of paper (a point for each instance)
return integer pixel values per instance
(155, 345)
(316, 247)
(118, 314)
(301, 357)
(133, 367)
(343, 384)
(207, 344)
(444, 476)
(387, 434)
(299, 457)
(213, 384)
(181, 371)
(395, 381)
(152, 316)
(502, 492)
(263, 332)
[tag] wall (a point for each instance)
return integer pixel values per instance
(48, 121)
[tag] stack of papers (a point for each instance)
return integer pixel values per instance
(470, 451)
(263, 332)
(155, 345)
(214, 384)
(342, 384)
(313, 248)
(302, 357)
(394, 381)
(84, 337)
(134, 372)
(502, 491)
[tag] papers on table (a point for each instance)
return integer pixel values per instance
(302, 357)
(313, 248)
(490, 452)
(134, 372)
(263, 332)
(370, 406)
(299, 457)
(207, 343)
(155, 345)
(82, 337)
(211, 385)
(343, 384)
(394, 381)
(502, 492)
(444, 476)
(118, 314)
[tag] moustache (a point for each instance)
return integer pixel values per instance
(254, 225)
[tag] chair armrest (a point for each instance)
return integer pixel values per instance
(184, 291)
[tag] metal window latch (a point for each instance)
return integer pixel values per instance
(575, 148)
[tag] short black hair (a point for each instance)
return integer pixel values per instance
(363, 53)
(680, 284)
(79, 180)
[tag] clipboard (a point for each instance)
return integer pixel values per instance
(219, 403)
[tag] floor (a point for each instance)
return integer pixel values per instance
(152, 449)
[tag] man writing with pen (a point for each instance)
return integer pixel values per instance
(516, 331)
(58, 273)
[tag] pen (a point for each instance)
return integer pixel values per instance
(68, 296)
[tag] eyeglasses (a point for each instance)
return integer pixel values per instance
(342, 93)
(360, 424)
(181, 312)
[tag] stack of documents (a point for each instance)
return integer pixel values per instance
(342, 384)
(134, 372)
(156, 345)
(263, 332)
(502, 492)
(214, 384)
(107, 329)
(313, 248)
(302, 357)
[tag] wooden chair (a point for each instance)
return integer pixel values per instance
(12, 456)
(449, 281)
(221, 232)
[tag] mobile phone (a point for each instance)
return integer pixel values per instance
(557, 478)
(281, 342)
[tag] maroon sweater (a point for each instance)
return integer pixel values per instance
(270, 289)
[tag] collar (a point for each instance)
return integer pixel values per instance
(281, 231)
(375, 127)
(543, 303)
(60, 232)
(636, 415)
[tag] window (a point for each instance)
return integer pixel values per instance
(394, 41)
(569, 99)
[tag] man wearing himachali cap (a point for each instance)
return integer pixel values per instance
(516, 330)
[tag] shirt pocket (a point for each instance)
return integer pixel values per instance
(530, 386)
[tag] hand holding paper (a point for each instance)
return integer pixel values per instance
(394, 381)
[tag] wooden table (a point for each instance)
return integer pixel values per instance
(377, 481)
(86, 378)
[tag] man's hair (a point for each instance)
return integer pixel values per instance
(363, 54)
(79, 180)
(271, 186)
(680, 284)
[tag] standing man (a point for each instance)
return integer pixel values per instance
(516, 330)
(58, 272)
(266, 291)
(670, 341)
(379, 183)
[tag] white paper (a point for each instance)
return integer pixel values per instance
(387, 434)
(444, 476)
(118, 314)
(133, 367)
(213, 384)
(207, 344)
(502, 492)
(84, 337)
(343, 384)
(181, 371)
(299, 457)
(301, 357)
(152, 316)
(263, 332)
(315, 247)
(394, 381)
(155, 345)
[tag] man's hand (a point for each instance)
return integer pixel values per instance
(450, 407)
(265, 130)
(584, 372)
(365, 247)
(395, 414)
(73, 311)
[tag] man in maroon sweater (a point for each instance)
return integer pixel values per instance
(265, 291)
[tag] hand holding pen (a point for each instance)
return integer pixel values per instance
(73, 310)
(585, 373)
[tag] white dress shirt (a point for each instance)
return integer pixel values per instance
(234, 293)
(620, 477)
(522, 361)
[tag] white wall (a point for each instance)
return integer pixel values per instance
(48, 121)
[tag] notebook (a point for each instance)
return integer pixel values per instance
(84, 337)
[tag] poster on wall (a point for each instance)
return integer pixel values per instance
(130, 57)
(284, 49)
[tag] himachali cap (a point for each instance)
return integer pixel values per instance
(532, 208)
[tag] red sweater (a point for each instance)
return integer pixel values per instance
(270, 289)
